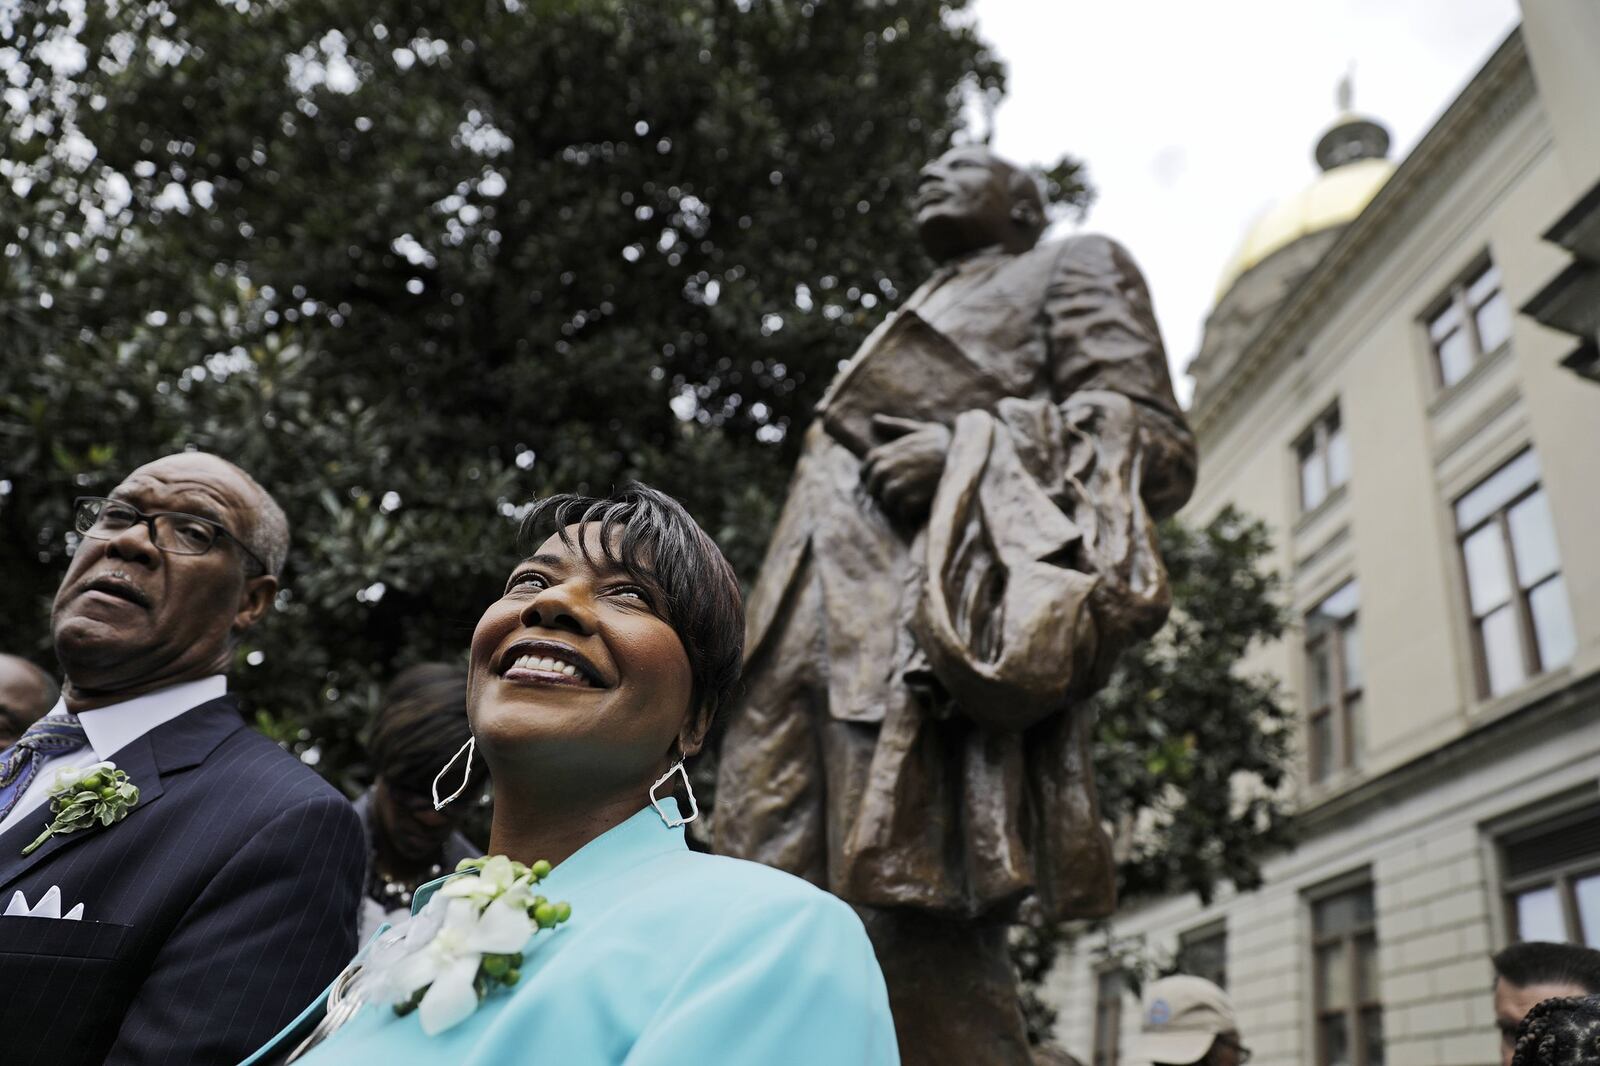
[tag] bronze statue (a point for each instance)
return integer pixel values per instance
(968, 542)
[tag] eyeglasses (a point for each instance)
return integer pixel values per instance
(173, 532)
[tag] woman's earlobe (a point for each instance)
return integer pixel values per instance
(692, 738)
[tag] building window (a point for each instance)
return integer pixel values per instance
(1333, 684)
(1471, 321)
(1521, 625)
(1349, 1012)
(1552, 880)
(1203, 952)
(1323, 454)
(1107, 1016)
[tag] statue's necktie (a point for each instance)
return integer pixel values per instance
(44, 740)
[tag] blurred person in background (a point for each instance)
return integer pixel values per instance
(1560, 1032)
(421, 723)
(1187, 1021)
(26, 693)
(1529, 973)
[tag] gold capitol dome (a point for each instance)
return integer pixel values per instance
(1353, 157)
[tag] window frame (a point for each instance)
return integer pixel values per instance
(1355, 1010)
(1562, 875)
(1457, 295)
(1316, 437)
(1331, 635)
(1108, 1015)
(1521, 598)
(1202, 934)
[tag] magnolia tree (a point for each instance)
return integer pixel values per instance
(415, 263)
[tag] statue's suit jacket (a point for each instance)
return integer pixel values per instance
(223, 901)
(1038, 557)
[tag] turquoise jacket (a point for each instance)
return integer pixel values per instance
(671, 958)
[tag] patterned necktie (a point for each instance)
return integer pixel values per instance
(44, 740)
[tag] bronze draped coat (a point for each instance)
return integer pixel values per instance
(939, 759)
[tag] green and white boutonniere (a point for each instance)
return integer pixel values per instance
(467, 941)
(85, 796)
(464, 944)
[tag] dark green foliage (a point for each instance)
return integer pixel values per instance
(414, 264)
(1191, 753)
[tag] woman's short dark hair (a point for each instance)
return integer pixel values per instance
(420, 724)
(650, 536)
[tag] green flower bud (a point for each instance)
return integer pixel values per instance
(545, 915)
(495, 965)
(540, 869)
(563, 911)
(512, 977)
(108, 792)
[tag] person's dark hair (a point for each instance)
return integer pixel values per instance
(652, 537)
(1540, 962)
(420, 724)
(1560, 1032)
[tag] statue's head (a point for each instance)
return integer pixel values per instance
(970, 198)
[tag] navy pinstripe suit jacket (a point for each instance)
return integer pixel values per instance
(217, 909)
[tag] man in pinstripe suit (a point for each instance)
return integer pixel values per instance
(227, 897)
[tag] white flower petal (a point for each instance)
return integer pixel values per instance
(70, 775)
(460, 916)
(502, 930)
(462, 888)
(451, 999)
(497, 873)
(411, 973)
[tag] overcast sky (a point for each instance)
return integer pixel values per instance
(1195, 116)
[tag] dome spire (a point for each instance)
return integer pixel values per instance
(1352, 137)
(1345, 94)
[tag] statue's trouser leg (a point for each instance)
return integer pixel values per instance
(951, 987)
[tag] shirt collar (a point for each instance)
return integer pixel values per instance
(617, 850)
(642, 837)
(113, 727)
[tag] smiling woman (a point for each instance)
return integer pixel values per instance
(607, 657)
(593, 676)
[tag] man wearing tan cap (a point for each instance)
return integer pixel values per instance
(1187, 1021)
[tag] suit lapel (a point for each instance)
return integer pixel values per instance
(174, 746)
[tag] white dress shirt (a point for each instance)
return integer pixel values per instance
(111, 728)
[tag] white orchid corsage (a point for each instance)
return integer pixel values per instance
(466, 942)
(85, 796)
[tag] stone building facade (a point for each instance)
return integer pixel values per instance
(1431, 474)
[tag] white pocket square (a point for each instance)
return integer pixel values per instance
(49, 906)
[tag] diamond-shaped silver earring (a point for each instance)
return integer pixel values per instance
(469, 747)
(673, 821)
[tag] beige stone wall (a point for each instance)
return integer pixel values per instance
(1430, 855)
(1440, 764)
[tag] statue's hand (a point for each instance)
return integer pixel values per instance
(903, 474)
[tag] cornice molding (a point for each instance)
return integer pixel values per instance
(1545, 715)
